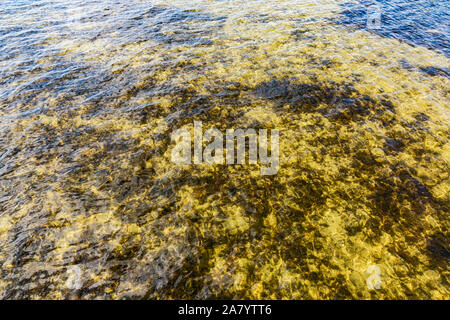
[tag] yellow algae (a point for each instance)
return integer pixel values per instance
(5, 224)
(363, 181)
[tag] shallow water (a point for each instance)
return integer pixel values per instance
(91, 205)
(422, 23)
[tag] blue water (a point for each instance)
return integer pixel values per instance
(421, 23)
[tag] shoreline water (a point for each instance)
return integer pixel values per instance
(90, 197)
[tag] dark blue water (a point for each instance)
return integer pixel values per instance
(421, 23)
